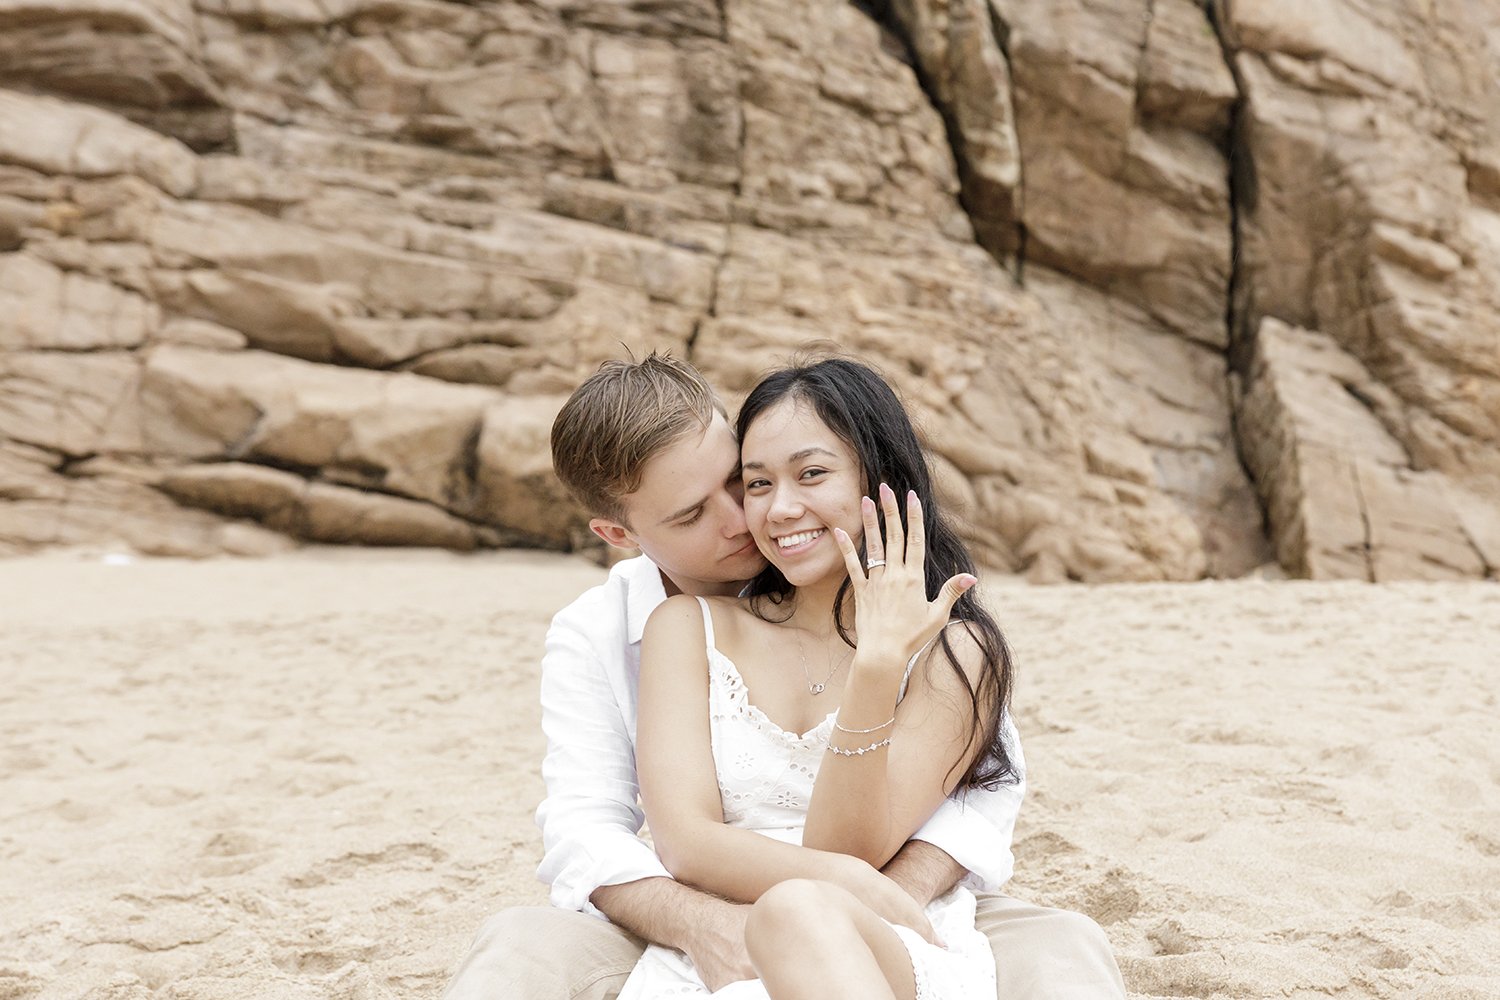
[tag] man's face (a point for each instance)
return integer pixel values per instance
(687, 515)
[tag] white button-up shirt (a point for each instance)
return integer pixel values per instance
(591, 818)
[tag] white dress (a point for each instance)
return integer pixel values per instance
(765, 783)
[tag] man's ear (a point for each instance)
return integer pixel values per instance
(613, 532)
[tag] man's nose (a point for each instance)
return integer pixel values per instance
(734, 516)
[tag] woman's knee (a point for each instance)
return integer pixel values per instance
(796, 910)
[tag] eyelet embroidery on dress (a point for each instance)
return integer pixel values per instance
(788, 799)
(770, 768)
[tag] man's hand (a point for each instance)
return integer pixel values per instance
(718, 948)
(709, 929)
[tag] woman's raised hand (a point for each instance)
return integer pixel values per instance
(892, 615)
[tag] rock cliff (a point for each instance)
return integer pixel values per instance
(1174, 289)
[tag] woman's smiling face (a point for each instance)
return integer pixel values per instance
(801, 481)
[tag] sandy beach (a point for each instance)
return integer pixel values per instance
(313, 776)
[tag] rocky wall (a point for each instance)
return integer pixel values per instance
(324, 270)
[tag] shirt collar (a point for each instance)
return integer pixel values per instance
(644, 592)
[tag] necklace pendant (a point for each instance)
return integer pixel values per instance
(817, 689)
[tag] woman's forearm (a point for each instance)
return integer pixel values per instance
(742, 864)
(850, 811)
(739, 864)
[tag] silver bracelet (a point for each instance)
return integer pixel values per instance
(860, 751)
(863, 732)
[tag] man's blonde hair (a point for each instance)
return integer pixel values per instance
(618, 419)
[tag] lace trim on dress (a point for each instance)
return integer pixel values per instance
(916, 953)
(919, 978)
(737, 694)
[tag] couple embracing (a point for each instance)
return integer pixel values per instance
(796, 687)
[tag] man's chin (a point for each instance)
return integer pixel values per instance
(743, 567)
(755, 564)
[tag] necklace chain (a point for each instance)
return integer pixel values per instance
(814, 687)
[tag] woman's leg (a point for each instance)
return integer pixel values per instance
(813, 940)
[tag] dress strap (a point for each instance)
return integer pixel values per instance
(708, 623)
(911, 664)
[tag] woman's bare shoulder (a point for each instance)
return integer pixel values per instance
(735, 617)
(674, 616)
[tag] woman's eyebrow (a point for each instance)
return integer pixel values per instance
(797, 457)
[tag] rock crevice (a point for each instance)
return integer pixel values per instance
(955, 52)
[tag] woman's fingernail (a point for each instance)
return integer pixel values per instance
(886, 491)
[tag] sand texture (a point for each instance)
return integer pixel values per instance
(313, 776)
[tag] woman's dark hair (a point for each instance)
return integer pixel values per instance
(861, 408)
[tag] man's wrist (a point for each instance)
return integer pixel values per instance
(925, 871)
(717, 920)
(664, 911)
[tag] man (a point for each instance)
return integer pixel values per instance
(647, 448)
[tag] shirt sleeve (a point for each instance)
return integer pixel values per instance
(591, 818)
(975, 828)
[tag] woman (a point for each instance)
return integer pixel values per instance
(791, 740)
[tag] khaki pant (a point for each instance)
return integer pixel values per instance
(544, 953)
